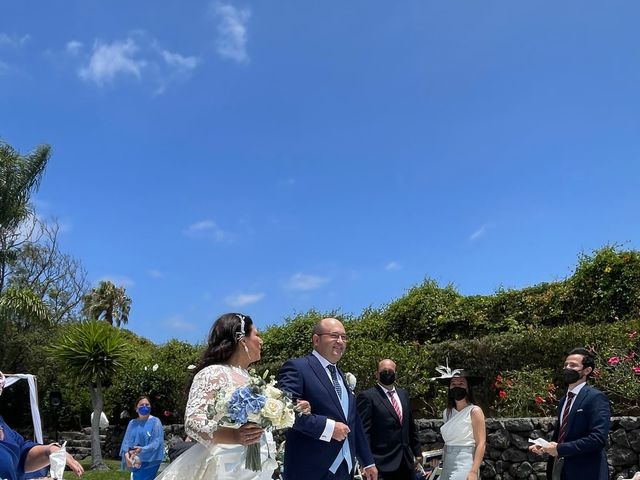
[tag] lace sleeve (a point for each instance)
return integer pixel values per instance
(203, 391)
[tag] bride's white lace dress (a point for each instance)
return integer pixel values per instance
(208, 460)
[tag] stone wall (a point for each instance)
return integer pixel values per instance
(506, 457)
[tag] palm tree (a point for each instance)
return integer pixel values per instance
(23, 303)
(108, 302)
(92, 351)
(20, 176)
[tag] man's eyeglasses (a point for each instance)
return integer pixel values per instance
(336, 336)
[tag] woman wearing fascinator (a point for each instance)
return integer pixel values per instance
(233, 345)
(463, 431)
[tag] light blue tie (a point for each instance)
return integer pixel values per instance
(345, 452)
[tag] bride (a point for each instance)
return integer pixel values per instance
(234, 344)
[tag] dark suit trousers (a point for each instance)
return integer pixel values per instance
(403, 473)
(341, 474)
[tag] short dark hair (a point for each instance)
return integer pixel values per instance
(588, 360)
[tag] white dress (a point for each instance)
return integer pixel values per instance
(459, 444)
(208, 460)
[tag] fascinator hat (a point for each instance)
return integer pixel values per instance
(446, 374)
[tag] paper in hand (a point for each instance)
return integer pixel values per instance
(539, 441)
(58, 460)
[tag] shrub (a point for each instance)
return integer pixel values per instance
(521, 392)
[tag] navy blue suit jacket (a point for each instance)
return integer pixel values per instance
(587, 434)
(305, 455)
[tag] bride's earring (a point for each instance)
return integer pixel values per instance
(246, 350)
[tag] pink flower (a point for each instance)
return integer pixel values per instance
(167, 413)
(502, 394)
(636, 370)
(539, 399)
(633, 334)
(614, 361)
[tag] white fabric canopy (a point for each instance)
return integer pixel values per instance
(10, 379)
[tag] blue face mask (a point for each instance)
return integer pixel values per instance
(144, 410)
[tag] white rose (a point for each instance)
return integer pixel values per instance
(272, 409)
(272, 392)
(287, 419)
(351, 380)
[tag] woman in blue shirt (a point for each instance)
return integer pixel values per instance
(142, 449)
(19, 456)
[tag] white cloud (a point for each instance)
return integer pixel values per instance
(480, 232)
(111, 60)
(177, 322)
(207, 229)
(153, 273)
(305, 282)
(14, 41)
(178, 61)
(118, 280)
(243, 299)
(231, 42)
(392, 266)
(74, 47)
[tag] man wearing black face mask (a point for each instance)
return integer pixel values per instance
(577, 449)
(388, 424)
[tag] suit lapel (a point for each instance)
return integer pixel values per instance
(323, 377)
(350, 397)
(577, 403)
(384, 399)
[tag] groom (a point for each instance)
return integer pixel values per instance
(323, 445)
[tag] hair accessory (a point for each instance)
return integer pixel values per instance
(446, 374)
(240, 335)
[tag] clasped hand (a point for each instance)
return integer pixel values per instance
(551, 449)
(249, 433)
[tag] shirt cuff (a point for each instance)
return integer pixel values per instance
(328, 430)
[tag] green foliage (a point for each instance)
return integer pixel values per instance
(159, 372)
(606, 286)
(20, 176)
(93, 351)
(19, 305)
(426, 313)
(107, 302)
(523, 391)
(619, 372)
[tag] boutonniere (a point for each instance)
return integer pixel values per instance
(351, 380)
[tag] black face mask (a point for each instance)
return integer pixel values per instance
(387, 377)
(570, 376)
(458, 393)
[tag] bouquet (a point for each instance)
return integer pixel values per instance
(258, 402)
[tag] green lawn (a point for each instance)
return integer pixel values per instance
(113, 474)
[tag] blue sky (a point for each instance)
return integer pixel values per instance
(271, 157)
